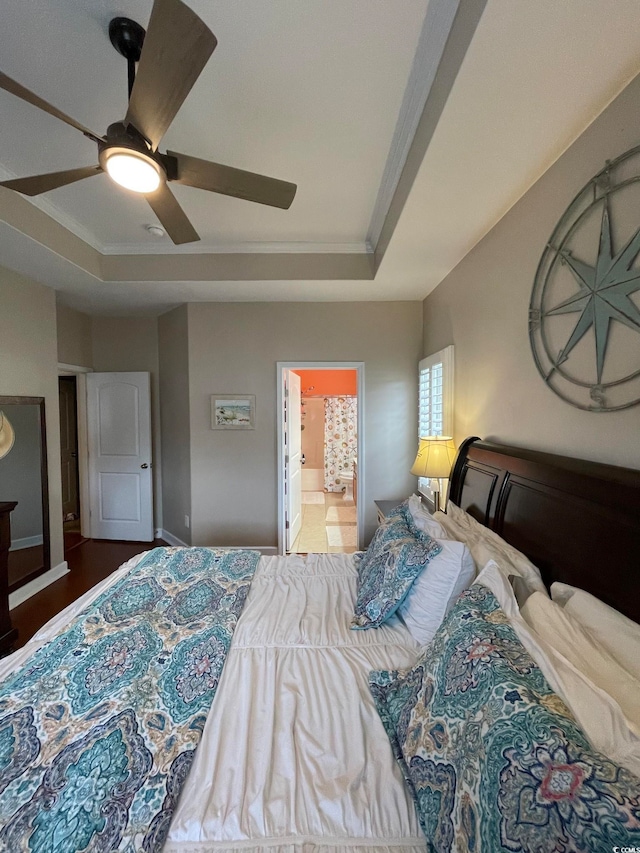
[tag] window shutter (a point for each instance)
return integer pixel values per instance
(435, 400)
(431, 400)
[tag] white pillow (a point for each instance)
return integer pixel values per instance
(597, 713)
(619, 635)
(434, 591)
(423, 519)
(568, 637)
(486, 545)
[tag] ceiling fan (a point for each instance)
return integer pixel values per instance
(170, 57)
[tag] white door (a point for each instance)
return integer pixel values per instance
(120, 483)
(292, 456)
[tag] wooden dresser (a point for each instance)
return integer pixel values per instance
(8, 635)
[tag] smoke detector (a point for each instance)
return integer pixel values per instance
(155, 231)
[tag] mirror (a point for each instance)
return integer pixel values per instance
(23, 478)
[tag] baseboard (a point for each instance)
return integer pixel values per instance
(169, 538)
(38, 584)
(27, 542)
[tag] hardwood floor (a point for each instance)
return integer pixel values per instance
(90, 562)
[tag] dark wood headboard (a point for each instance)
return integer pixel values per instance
(578, 521)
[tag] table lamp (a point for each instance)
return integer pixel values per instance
(434, 460)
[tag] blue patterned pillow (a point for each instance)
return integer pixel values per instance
(397, 554)
(494, 758)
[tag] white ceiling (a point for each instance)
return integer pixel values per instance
(310, 92)
(304, 91)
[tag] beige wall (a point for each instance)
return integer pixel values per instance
(29, 368)
(74, 337)
(482, 308)
(233, 349)
(174, 413)
(131, 344)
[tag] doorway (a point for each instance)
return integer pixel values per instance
(71, 521)
(108, 509)
(75, 421)
(320, 437)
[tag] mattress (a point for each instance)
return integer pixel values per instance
(293, 758)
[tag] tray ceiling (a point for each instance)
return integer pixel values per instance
(326, 94)
(304, 91)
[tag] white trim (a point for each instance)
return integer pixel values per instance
(170, 539)
(83, 454)
(27, 542)
(149, 245)
(165, 247)
(281, 366)
(44, 203)
(433, 38)
(38, 584)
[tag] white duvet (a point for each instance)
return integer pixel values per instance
(293, 758)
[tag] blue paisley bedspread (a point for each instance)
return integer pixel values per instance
(495, 759)
(99, 727)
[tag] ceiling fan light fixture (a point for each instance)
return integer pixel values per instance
(132, 170)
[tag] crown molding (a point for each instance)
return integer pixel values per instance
(47, 206)
(254, 248)
(165, 247)
(49, 245)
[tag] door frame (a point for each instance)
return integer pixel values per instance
(83, 441)
(281, 366)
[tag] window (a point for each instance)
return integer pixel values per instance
(435, 400)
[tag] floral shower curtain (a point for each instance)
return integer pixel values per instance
(340, 440)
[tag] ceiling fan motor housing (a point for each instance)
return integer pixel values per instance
(124, 140)
(126, 136)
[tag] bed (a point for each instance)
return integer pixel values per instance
(293, 756)
(578, 521)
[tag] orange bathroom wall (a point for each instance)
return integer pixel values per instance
(321, 383)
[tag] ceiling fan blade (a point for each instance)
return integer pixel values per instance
(165, 206)
(19, 91)
(176, 48)
(234, 182)
(37, 184)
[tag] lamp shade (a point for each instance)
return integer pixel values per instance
(7, 435)
(435, 457)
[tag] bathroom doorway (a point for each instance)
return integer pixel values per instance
(320, 438)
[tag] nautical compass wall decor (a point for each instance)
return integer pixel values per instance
(584, 314)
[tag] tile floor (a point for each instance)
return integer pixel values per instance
(328, 525)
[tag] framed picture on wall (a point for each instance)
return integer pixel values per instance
(233, 411)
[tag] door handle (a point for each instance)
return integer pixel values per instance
(144, 465)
